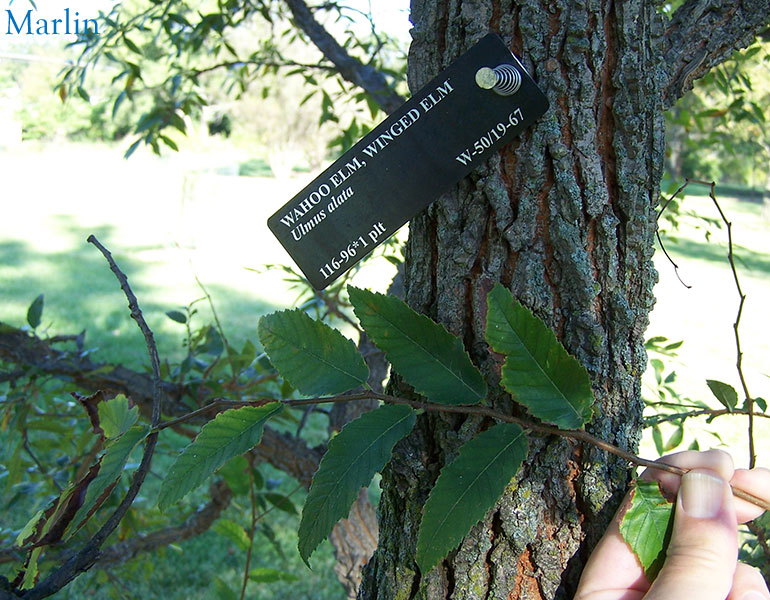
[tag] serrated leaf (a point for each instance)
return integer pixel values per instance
(355, 454)
(424, 353)
(115, 416)
(271, 576)
(647, 524)
(725, 393)
(51, 524)
(467, 488)
(312, 356)
(29, 529)
(112, 463)
(31, 569)
(230, 530)
(538, 372)
(35, 312)
(231, 433)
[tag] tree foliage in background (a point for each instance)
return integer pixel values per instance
(184, 59)
(718, 132)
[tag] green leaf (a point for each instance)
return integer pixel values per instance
(362, 448)
(115, 417)
(29, 529)
(538, 372)
(132, 46)
(675, 439)
(271, 576)
(312, 356)
(761, 403)
(231, 433)
(467, 488)
(113, 461)
(281, 502)
(424, 353)
(646, 526)
(657, 437)
(31, 569)
(236, 474)
(83, 94)
(725, 393)
(230, 530)
(132, 148)
(35, 312)
(177, 316)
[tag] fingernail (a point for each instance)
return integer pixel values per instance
(753, 595)
(701, 494)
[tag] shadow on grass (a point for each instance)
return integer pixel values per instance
(757, 263)
(81, 293)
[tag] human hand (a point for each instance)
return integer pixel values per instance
(702, 558)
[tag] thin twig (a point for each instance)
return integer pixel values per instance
(483, 411)
(89, 553)
(217, 322)
(136, 315)
(761, 534)
(671, 260)
(43, 471)
(196, 413)
(252, 533)
(671, 199)
(660, 240)
(749, 400)
(262, 63)
(704, 412)
(575, 434)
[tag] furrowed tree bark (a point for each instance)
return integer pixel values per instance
(702, 34)
(565, 218)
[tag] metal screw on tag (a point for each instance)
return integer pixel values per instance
(504, 80)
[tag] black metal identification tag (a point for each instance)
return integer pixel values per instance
(480, 102)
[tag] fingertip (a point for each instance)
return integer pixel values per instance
(748, 584)
(756, 482)
(717, 461)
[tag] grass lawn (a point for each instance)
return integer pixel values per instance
(168, 220)
(703, 316)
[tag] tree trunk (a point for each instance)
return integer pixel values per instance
(564, 217)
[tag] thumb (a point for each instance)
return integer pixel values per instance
(703, 552)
